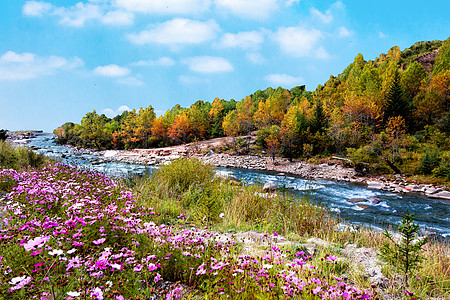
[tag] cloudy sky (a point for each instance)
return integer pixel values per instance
(62, 59)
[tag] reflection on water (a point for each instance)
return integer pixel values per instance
(376, 209)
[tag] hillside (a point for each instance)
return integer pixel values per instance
(391, 113)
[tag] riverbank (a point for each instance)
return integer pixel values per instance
(332, 170)
(210, 152)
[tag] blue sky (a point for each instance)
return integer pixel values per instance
(62, 59)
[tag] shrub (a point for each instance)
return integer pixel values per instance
(176, 178)
(428, 162)
(20, 157)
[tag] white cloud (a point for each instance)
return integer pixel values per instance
(110, 113)
(291, 2)
(16, 66)
(118, 18)
(13, 57)
(177, 32)
(326, 17)
(209, 64)
(112, 71)
(284, 80)
(133, 81)
(343, 32)
(321, 53)
(297, 41)
(163, 62)
(165, 6)
(36, 8)
(77, 15)
(255, 58)
(244, 40)
(252, 9)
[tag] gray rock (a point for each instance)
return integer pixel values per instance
(374, 200)
(441, 195)
(356, 200)
(269, 186)
(375, 185)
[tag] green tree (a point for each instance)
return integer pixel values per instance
(319, 121)
(404, 255)
(396, 103)
(442, 62)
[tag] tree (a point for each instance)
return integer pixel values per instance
(406, 254)
(180, 129)
(319, 120)
(216, 115)
(231, 126)
(3, 133)
(395, 130)
(414, 79)
(441, 84)
(293, 130)
(273, 141)
(442, 61)
(396, 103)
(93, 134)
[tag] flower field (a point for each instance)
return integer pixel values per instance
(73, 234)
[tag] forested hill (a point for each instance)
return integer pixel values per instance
(392, 108)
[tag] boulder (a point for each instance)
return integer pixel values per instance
(441, 195)
(269, 186)
(356, 200)
(374, 200)
(374, 185)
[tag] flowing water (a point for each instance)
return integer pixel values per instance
(433, 215)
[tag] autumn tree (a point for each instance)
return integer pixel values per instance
(93, 131)
(231, 126)
(159, 132)
(319, 121)
(273, 141)
(180, 129)
(441, 84)
(293, 131)
(395, 130)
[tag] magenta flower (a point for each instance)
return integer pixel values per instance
(152, 267)
(317, 290)
(157, 277)
(331, 257)
(138, 268)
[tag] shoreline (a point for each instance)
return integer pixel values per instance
(333, 170)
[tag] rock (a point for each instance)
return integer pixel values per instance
(413, 188)
(431, 190)
(367, 259)
(362, 206)
(269, 186)
(374, 200)
(319, 242)
(356, 200)
(375, 185)
(441, 195)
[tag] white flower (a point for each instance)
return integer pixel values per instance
(73, 294)
(71, 251)
(267, 266)
(16, 280)
(221, 215)
(115, 266)
(56, 252)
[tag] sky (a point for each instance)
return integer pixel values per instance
(61, 59)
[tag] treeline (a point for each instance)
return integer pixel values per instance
(373, 109)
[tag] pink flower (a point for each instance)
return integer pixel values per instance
(317, 290)
(99, 241)
(152, 267)
(97, 293)
(331, 257)
(138, 268)
(157, 277)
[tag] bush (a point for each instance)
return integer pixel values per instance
(177, 177)
(428, 162)
(20, 157)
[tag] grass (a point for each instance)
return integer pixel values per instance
(18, 157)
(75, 234)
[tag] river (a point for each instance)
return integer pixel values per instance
(433, 215)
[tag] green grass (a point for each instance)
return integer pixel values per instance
(19, 157)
